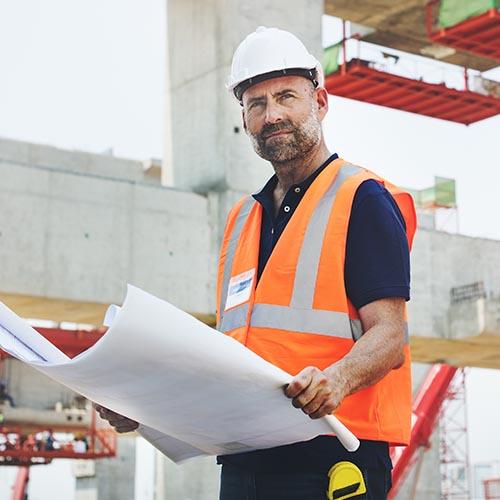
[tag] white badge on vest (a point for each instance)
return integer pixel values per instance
(240, 288)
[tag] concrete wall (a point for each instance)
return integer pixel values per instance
(80, 226)
(114, 477)
(29, 388)
(441, 261)
(198, 479)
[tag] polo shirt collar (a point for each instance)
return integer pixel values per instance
(267, 191)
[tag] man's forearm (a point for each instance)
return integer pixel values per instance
(373, 356)
(376, 353)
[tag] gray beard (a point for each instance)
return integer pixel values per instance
(294, 146)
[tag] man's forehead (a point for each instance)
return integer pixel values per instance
(276, 85)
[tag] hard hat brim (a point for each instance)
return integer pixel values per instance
(310, 74)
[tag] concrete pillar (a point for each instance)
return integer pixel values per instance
(210, 149)
(195, 480)
(114, 477)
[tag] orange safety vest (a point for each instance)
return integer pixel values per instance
(299, 314)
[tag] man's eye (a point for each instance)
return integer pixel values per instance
(255, 105)
(286, 96)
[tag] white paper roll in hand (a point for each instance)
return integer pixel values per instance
(346, 437)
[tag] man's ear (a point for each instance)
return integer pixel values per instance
(321, 97)
(243, 119)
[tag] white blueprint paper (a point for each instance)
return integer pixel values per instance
(194, 390)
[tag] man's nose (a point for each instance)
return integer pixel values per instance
(273, 112)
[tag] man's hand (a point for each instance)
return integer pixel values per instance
(119, 422)
(313, 392)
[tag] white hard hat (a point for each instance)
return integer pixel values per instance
(269, 53)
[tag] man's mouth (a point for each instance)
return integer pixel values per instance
(275, 134)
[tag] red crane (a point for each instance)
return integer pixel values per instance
(426, 406)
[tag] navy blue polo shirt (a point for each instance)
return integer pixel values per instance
(377, 265)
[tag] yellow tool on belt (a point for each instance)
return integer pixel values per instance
(346, 481)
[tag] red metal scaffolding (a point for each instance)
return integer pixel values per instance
(453, 442)
(357, 80)
(24, 443)
(19, 445)
(492, 489)
(479, 35)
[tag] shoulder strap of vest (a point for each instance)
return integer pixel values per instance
(310, 252)
(403, 199)
(236, 220)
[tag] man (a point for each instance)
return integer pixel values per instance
(322, 258)
(4, 395)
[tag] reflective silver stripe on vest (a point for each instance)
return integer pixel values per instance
(234, 318)
(356, 329)
(230, 253)
(314, 321)
(306, 272)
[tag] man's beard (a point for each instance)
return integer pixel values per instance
(303, 138)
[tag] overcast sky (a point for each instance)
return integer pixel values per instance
(89, 75)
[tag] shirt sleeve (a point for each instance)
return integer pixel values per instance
(377, 263)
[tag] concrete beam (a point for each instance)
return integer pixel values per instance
(57, 310)
(472, 338)
(72, 311)
(481, 351)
